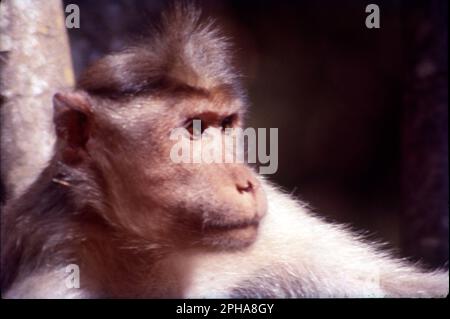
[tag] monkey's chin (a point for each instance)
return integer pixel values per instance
(230, 238)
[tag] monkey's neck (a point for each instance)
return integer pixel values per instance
(114, 264)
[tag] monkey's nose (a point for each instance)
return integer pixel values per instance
(246, 187)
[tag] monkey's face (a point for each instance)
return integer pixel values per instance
(190, 202)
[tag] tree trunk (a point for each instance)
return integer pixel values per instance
(35, 64)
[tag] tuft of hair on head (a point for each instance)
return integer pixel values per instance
(183, 51)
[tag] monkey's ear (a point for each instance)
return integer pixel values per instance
(72, 116)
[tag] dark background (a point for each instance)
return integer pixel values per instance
(362, 114)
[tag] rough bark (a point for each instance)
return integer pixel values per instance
(35, 64)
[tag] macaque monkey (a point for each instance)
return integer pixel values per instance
(138, 225)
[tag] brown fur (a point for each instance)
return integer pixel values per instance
(139, 225)
(111, 200)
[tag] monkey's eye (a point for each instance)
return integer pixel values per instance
(228, 121)
(195, 126)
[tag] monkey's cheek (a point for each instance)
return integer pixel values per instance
(231, 239)
(261, 204)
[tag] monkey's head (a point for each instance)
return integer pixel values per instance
(114, 139)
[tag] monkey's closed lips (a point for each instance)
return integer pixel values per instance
(254, 223)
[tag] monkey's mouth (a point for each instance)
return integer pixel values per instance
(225, 226)
(230, 235)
